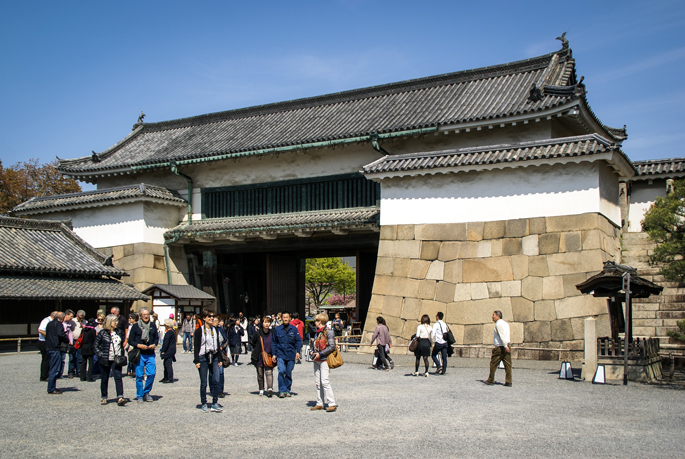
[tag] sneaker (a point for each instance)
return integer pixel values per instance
(216, 408)
(270, 393)
(70, 376)
(103, 402)
(148, 398)
(507, 384)
(261, 392)
(205, 408)
(288, 394)
(392, 365)
(331, 409)
(122, 401)
(316, 408)
(281, 395)
(487, 383)
(55, 392)
(221, 395)
(140, 400)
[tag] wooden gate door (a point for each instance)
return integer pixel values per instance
(282, 283)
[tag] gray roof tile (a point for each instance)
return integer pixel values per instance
(661, 167)
(61, 288)
(102, 197)
(181, 292)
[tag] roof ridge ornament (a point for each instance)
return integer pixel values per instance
(563, 40)
(535, 94)
(95, 157)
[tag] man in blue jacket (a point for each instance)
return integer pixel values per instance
(54, 336)
(286, 344)
(144, 336)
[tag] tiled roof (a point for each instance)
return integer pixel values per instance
(565, 147)
(487, 93)
(61, 288)
(43, 247)
(660, 167)
(102, 197)
(311, 221)
(181, 292)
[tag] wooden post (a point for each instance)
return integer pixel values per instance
(590, 362)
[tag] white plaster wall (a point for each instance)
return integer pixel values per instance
(642, 196)
(609, 204)
(496, 195)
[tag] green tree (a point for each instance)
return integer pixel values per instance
(324, 276)
(29, 179)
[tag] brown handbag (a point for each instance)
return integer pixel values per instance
(268, 360)
(334, 359)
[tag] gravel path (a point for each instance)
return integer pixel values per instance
(381, 415)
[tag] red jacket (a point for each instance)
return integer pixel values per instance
(297, 323)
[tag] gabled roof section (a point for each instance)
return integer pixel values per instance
(36, 247)
(548, 151)
(180, 292)
(660, 168)
(65, 288)
(395, 109)
(99, 198)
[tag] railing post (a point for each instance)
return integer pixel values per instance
(18, 345)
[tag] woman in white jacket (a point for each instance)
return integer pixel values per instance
(423, 334)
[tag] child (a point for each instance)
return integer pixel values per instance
(168, 351)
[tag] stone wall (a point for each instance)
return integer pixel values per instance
(526, 268)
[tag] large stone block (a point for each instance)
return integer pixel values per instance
(537, 225)
(474, 231)
(431, 308)
(537, 266)
(517, 228)
(458, 332)
(445, 292)
(449, 251)
(552, 287)
(129, 250)
(436, 270)
(489, 332)
(573, 222)
(473, 334)
(604, 325)
(519, 266)
(405, 232)
(401, 267)
(515, 333)
(570, 282)
(453, 271)
(531, 288)
(496, 247)
(418, 269)
(462, 292)
(511, 246)
(511, 288)
(522, 310)
(396, 286)
(429, 250)
(388, 232)
(487, 270)
(117, 252)
(570, 242)
(468, 250)
(384, 266)
(483, 249)
(140, 260)
(494, 230)
(480, 311)
(587, 261)
(426, 289)
(591, 239)
(441, 232)
(391, 305)
(151, 275)
(562, 330)
(548, 243)
(545, 310)
(395, 325)
(399, 249)
(411, 307)
(580, 306)
(537, 332)
(578, 326)
(494, 289)
(529, 245)
(479, 290)
(409, 329)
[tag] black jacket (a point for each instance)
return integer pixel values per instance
(234, 335)
(88, 342)
(256, 343)
(54, 335)
(197, 342)
(168, 345)
(251, 330)
(102, 343)
(135, 338)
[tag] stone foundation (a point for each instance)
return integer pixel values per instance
(526, 268)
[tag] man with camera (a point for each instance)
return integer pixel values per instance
(144, 336)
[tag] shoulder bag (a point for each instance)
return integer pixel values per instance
(414, 343)
(268, 360)
(334, 359)
(448, 336)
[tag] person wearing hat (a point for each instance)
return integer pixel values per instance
(168, 351)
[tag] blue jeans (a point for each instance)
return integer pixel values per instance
(189, 337)
(74, 362)
(285, 375)
(55, 363)
(146, 366)
(214, 378)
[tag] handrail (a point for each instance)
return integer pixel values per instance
(18, 340)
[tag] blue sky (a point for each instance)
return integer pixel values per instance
(77, 74)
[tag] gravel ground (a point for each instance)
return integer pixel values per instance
(380, 415)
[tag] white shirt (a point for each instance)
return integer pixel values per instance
(423, 331)
(43, 326)
(438, 328)
(501, 339)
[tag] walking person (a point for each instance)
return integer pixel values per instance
(108, 346)
(381, 336)
(440, 346)
(44, 357)
(261, 343)
(252, 328)
(243, 338)
(207, 361)
(223, 345)
(423, 335)
(55, 336)
(188, 328)
(338, 325)
(286, 342)
(87, 351)
(297, 323)
(143, 335)
(502, 350)
(235, 334)
(324, 344)
(168, 351)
